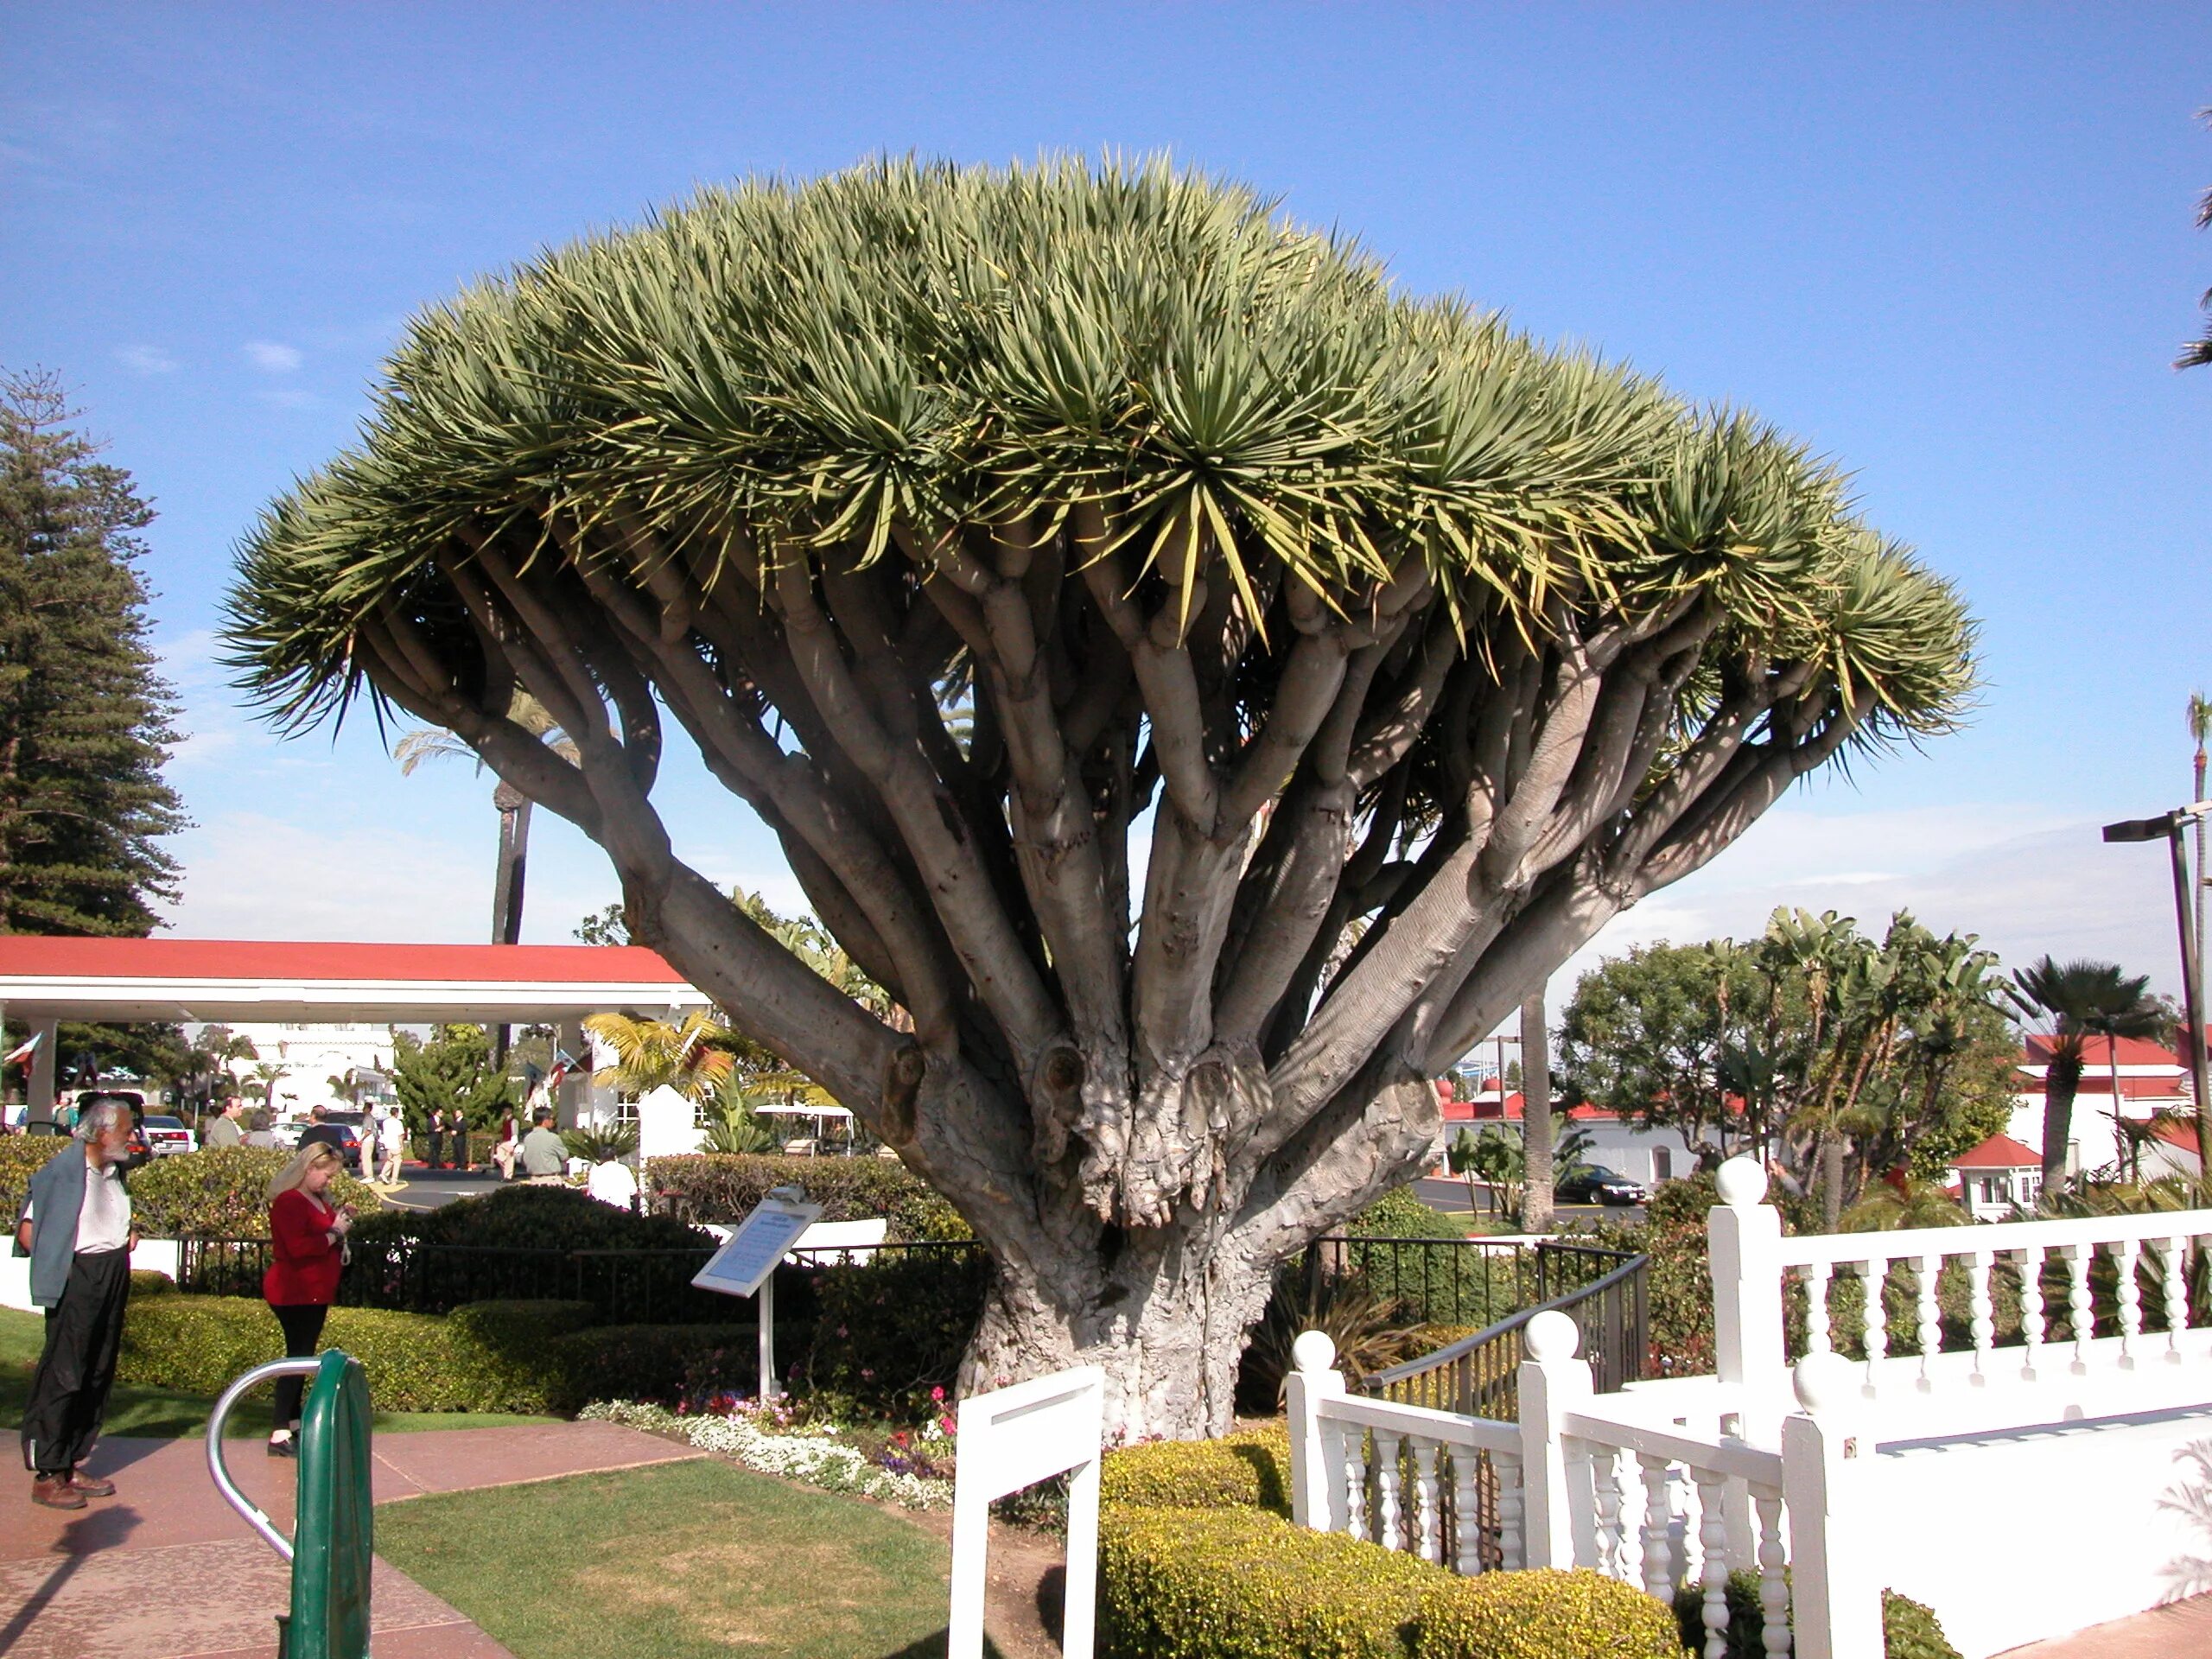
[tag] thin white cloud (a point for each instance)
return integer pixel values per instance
(271, 358)
(288, 398)
(250, 876)
(146, 359)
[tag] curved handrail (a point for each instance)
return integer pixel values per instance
(1563, 1303)
(249, 1511)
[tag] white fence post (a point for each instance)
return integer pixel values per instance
(1827, 1453)
(1553, 1383)
(1315, 1482)
(1744, 1246)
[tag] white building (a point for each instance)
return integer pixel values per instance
(313, 1062)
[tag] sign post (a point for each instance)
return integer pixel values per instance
(745, 1266)
(1013, 1438)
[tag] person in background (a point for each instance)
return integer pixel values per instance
(505, 1147)
(391, 1136)
(307, 1245)
(544, 1157)
(457, 1125)
(75, 1224)
(322, 1132)
(372, 1128)
(226, 1130)
(260, 1134)
(437, 1139)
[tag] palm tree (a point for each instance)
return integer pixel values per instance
(2081, 999)
(693, 1059)
(2200, 728)
(1536, 1114)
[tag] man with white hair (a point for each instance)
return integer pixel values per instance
(76, 1227)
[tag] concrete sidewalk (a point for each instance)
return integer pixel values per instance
(165, 1570)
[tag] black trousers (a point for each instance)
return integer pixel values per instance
(460, 1149)
(302, 1324)
(61, 1420)
(437, 1138)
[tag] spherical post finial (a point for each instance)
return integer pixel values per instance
(1824, 1382)
(1313, 1353)
(1551, 1336)
(1742, 1183)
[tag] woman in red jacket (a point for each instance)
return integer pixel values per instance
(307, 1246)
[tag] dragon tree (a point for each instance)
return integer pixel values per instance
(1207, 686)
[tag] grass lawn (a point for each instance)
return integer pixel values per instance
(689, 1560)
(165, 1415)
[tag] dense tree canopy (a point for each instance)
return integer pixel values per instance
(1202, 685)
(84, 720)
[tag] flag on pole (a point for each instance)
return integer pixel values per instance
(24, 1051)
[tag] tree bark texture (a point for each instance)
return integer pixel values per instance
(1537, 1134)
(2061, 1081)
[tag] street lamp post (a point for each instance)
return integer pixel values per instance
(2169, 825)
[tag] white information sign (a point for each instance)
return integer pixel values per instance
(743, 1265)
(747, 1265)
(1010, 1438)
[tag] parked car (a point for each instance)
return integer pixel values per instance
(1595, 1184)
(166, 1136)
(346, 1121)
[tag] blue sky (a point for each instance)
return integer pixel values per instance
(1952, 247)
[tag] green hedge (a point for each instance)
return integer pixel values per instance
(724, 1187)
(888, 1332)
(1248, 1470)
(525, 1217)
(217, 1192)
(1243, 1584)
(527, 1357)
(1910, 1629)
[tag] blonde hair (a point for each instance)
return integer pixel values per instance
(313, 1156)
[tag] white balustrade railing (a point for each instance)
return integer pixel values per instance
(1445, 1487)
(1599, 1482)
(2050, 1271)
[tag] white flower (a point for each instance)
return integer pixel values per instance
(807, 1456)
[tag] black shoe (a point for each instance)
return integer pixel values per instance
(287, 1447)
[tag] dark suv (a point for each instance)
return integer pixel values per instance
(1595, 1184)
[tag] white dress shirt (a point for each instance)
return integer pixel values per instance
(104, 1218)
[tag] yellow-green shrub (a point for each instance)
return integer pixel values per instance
(1542, 1614)
(1247, 1470)
(1243, 1584)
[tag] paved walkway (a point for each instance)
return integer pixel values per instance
(2180, 1631)
(165, 1570)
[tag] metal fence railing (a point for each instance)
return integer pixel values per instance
(1480, 1376)
(1457, 1281)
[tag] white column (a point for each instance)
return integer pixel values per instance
(1744, 1245)
(1313, 1379)
(1553, 1383)
(1827, 1453)
(41, 1110)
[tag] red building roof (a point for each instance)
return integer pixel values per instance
(1998, 1151)
(286, 959)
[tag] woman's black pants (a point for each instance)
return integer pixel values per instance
(302, 1325)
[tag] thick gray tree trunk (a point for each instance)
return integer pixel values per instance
(1536, 1113)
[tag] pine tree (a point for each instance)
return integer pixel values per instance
(84, 723)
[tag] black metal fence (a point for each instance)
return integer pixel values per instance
(628, 1286)
(1480, 1375)
(1457, 1282)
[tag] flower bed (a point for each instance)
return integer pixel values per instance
(775, 1438)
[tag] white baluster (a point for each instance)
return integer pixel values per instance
(1466, 1509)
(1926, 1270)
(1774, 1590)
(1606, 1491)
(1427, 1527)
(2174, 1292)
(2082, 1315)
(1981, 1312)
(1512, 1529)
(1712, 1541)
(1658, 1524)
(2032, 1318)
(1386, 1531)
(1356, 1483)
(1817, 1274)
(1580, 1459)
(1874, 1318)
(2128, 1253)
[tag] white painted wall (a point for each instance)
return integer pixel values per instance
(158, 1253)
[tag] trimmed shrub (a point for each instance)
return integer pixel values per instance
(1400, 1214)
(888, 1333)
(660, 1364)
(221, 1193)
(525, 1217)
(493, 1357)
(1543, 1613)
(23, 1156)
(145, 1281)
(1243, 1584)
(1248, 1470)
(1910, 1629)
(725, 1186)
